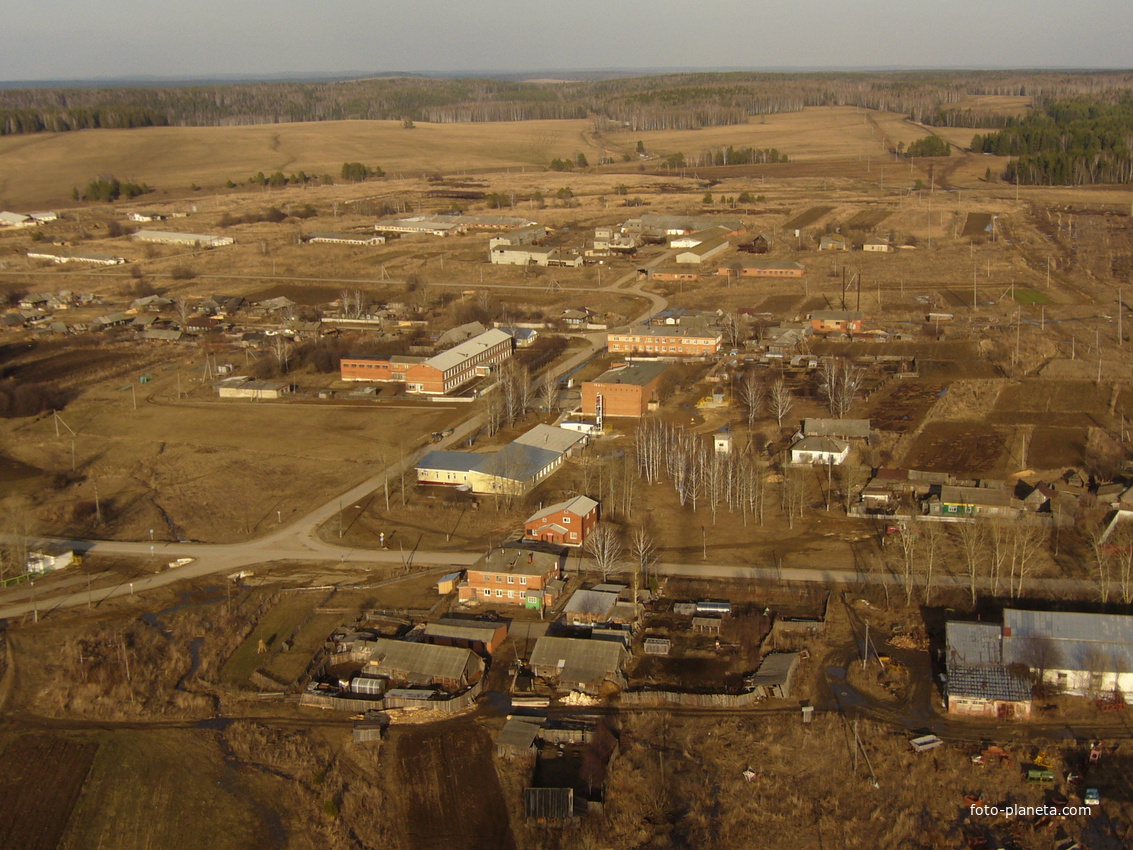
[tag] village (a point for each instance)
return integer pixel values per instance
(808, 466)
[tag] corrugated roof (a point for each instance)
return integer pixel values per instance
(972, 644)
(450, 461)
(976, 496)
(518, 734)
(463, 629)
(1076, 641)
(424, 660)
(550, 437)
(776, 669)
(836, 427)
(458, 354)
(596, 602)
(579, 660)
(579, 505)
(517, 462)
(992, 683)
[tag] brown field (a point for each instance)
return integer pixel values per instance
(867, 219)
(139, 795)
(451, 797)
(807, 218)
(976, 224)
(41, 781)
(974, 448)
(902, 407)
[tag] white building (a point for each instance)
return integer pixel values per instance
(533, 255)
(196, 240)
(823, 450)
(42, 562)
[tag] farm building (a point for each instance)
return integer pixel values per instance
(482, 637)
(449, 667)
(516, 576)
(565, 523)
(436, 375)
(420, 224)
(1080, 654)
(980, 684)
(833, 242)
(196, 240)
(346, 238)
(878, 245)
(823, 450)
(623, 390)
(533, 255)
(607, 241)
(243, 387)
(147, 216)
(531, 234)
(578, 664)
(763, 268)
(702, 252)
(691, 240)
(775, 676)
(517, 738)
(11, 219)
(673, 275)
(62, 257)
(679, 225)
(835, 321)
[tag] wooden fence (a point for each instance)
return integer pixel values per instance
(691, 700)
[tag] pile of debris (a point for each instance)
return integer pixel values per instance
(914, 639)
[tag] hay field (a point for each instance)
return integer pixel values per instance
(42, 169)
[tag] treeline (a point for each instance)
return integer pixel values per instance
(928, 146)
(739, 156)
(1069, 143)
(110, 189)
(56, 119)
(667, 101)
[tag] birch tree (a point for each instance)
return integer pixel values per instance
(781, 400)
(604, 545)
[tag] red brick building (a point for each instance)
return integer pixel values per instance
(763, 268)
(625, 389)
(566, 523)
(515, 575)
(836, 321)
(439, 374)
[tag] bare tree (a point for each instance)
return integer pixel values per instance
(838, 382)
(604, 545)
(281, 350)
(550, 392)
(753, 393)
(780, 400)
(181, 307)
(935, 553)
(16, 523)
(909, 547)
(970, 541)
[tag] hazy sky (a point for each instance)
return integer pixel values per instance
(61, 39)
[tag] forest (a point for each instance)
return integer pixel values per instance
(666, 101)
(1069, 143)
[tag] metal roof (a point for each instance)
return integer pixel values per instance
(450, 461)
(518, 734)
(424, 660)
(836, 427)
(463, 629)
(579, 505)
(827, 445)
(976, 496)
(776, 669)
(1077, 641)
(517, 462)
(596, 602)
(550, 437)
(993, 683)
(458, 354)
(579, 660)
(525, 561)
(972, 644)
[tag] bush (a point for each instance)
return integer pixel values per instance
(182, 271)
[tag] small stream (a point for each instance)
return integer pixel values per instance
(189, 599)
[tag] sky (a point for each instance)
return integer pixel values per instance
(81, 39)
